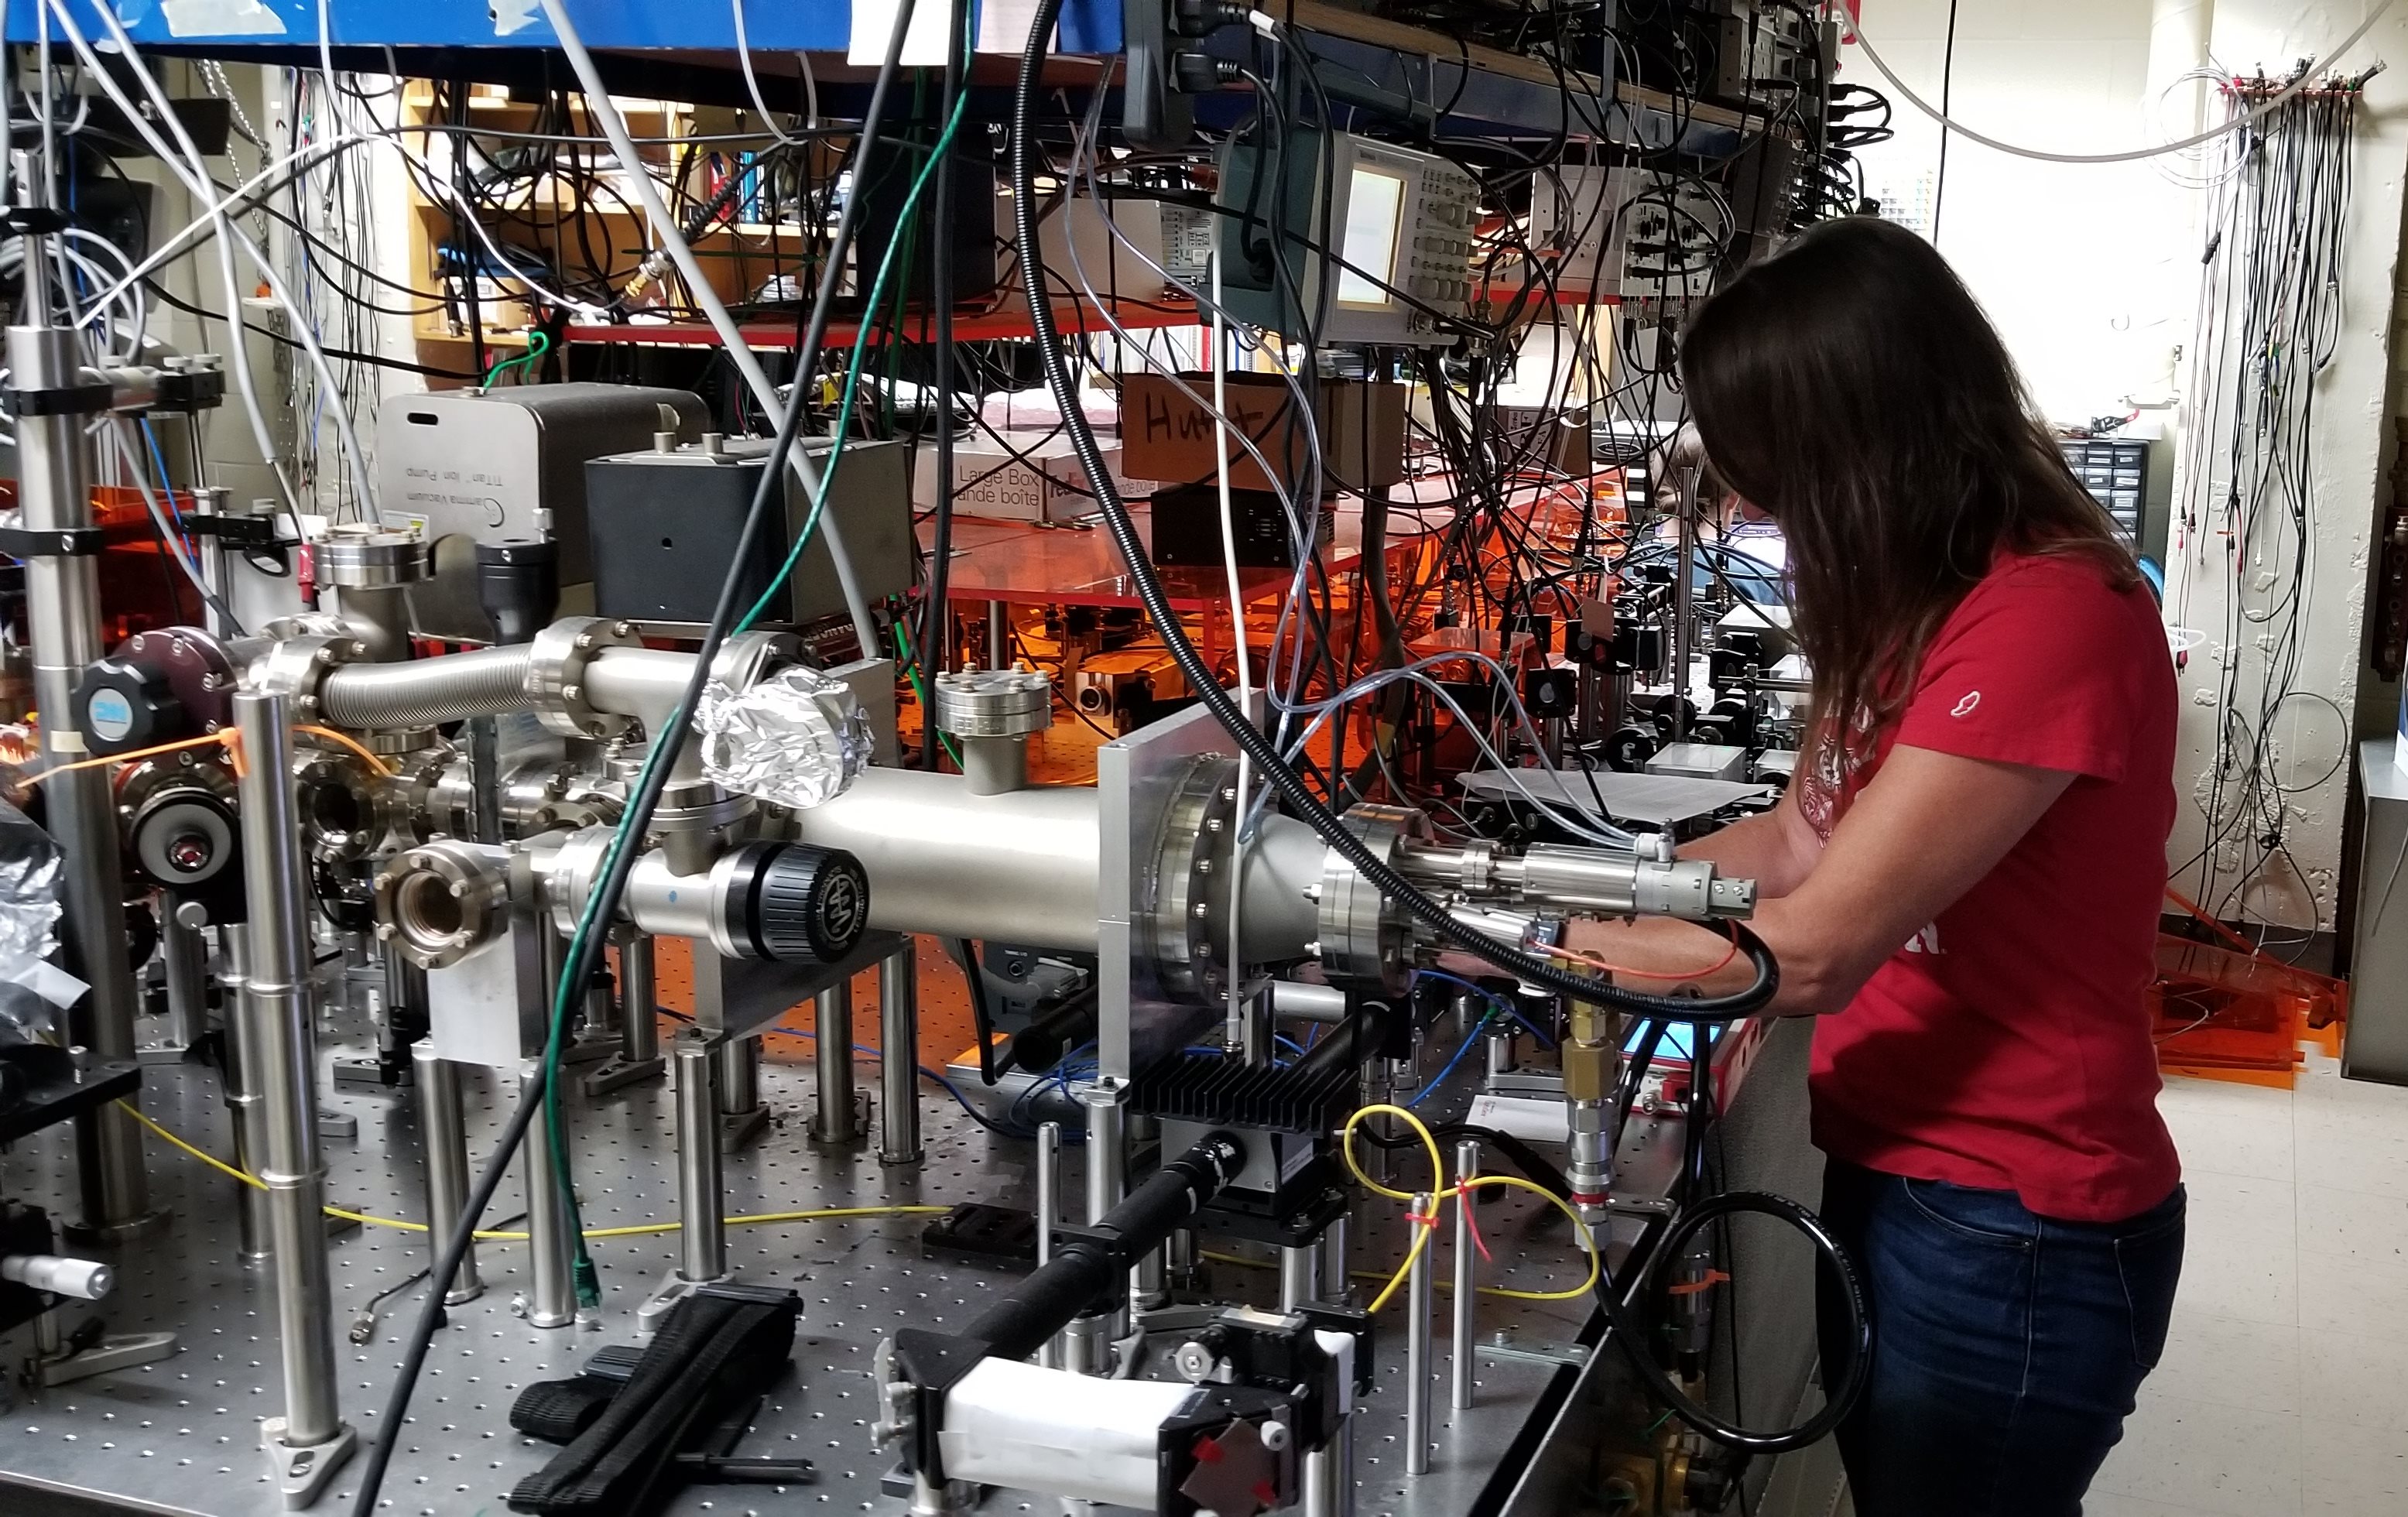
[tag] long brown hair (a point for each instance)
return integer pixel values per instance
(1850, 386)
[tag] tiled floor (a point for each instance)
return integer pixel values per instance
(2285, 1383)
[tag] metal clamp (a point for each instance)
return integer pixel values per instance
(63, 400)
(557, 676)
(51, 542)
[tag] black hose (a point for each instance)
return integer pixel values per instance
(612, 884)
(1309, 808)
(1632, 1332)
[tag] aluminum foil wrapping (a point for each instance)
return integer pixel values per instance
(31, 987)
(796, 738)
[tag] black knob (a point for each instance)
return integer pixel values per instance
(807, 905)
(518, 584)
(121, 706)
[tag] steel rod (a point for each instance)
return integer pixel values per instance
(184, 953)
(702, 1235)
(1417, 1350)
(898, 1044)
(838, 1119)
(62, 625)
(279, 1066)
(553, 1301)
(443, 1135)
(1049, 1211)
(1300, 1276)
(639, 994)
(245, 1106)
(1467, 1261)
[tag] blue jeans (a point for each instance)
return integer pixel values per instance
(2007, 1346)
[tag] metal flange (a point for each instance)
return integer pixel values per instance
(994, 703)
(1364, 936)
(1193, 883)
(442, 900)
(359, 556)
(556, 678)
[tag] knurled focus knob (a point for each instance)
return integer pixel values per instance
(809, 904)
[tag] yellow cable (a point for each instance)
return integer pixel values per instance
(1458, 1194)
(756, 1219)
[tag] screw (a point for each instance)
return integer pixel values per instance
(584, 639)
(1202, 910)
(571, 693)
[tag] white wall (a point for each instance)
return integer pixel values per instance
(2092, 273)
(2047, 249)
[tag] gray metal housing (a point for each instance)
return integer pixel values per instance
(466, 466)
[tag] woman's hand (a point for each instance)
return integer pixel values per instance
(1929, 826)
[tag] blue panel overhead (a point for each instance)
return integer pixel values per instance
(229, 26)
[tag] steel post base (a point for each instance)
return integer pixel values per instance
(302, 1470)
(166, 1051)
(620, 1073)
(853, 1140)
(339, 1125)
(672, 1289)
(739, 1129)
(591, 1050)
(118, 1351)
(134, 1229)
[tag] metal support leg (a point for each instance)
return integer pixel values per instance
(553, 1254)
(306, 1443)
(1107, 1180)
(1334, 1283)
(63, 618)
(1417, 1353)
(998, 634)
(55, 1364)
(639, 1058)
(838, 1121)
(1049, 1211)
(245, 1108)
(184, 953)
(1467, 1261)
(742, 1114)
(898, 1044)
(443, 1134)
(1300, 1276)
(702, 1237)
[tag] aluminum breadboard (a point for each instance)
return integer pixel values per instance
(183, 1435)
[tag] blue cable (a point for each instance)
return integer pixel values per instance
(1448, 1068)
(1498, 1002)
(166, 488)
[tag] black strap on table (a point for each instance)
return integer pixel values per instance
(718, 1345)
(51, 542)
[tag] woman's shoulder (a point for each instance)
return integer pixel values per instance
(2072, 584)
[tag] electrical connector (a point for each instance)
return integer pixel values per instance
(1194, 72)
(1202, 18)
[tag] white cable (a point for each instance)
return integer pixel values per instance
(1236, 1023)
(192, 172)
(753, 84)
(2307, 76)
(605, 114)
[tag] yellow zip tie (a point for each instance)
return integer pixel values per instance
(764, 1218)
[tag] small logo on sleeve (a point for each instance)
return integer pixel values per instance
(1966, 703)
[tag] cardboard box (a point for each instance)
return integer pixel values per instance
(1166, 437)
(991, 484)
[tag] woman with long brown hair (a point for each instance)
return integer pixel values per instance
(1963, 882)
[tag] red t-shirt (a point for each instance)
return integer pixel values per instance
(2007, 1045)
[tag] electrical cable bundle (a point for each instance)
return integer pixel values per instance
(2270, 317)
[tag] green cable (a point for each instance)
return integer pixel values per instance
(928, 711)
(537, 345)
(589, 1285)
